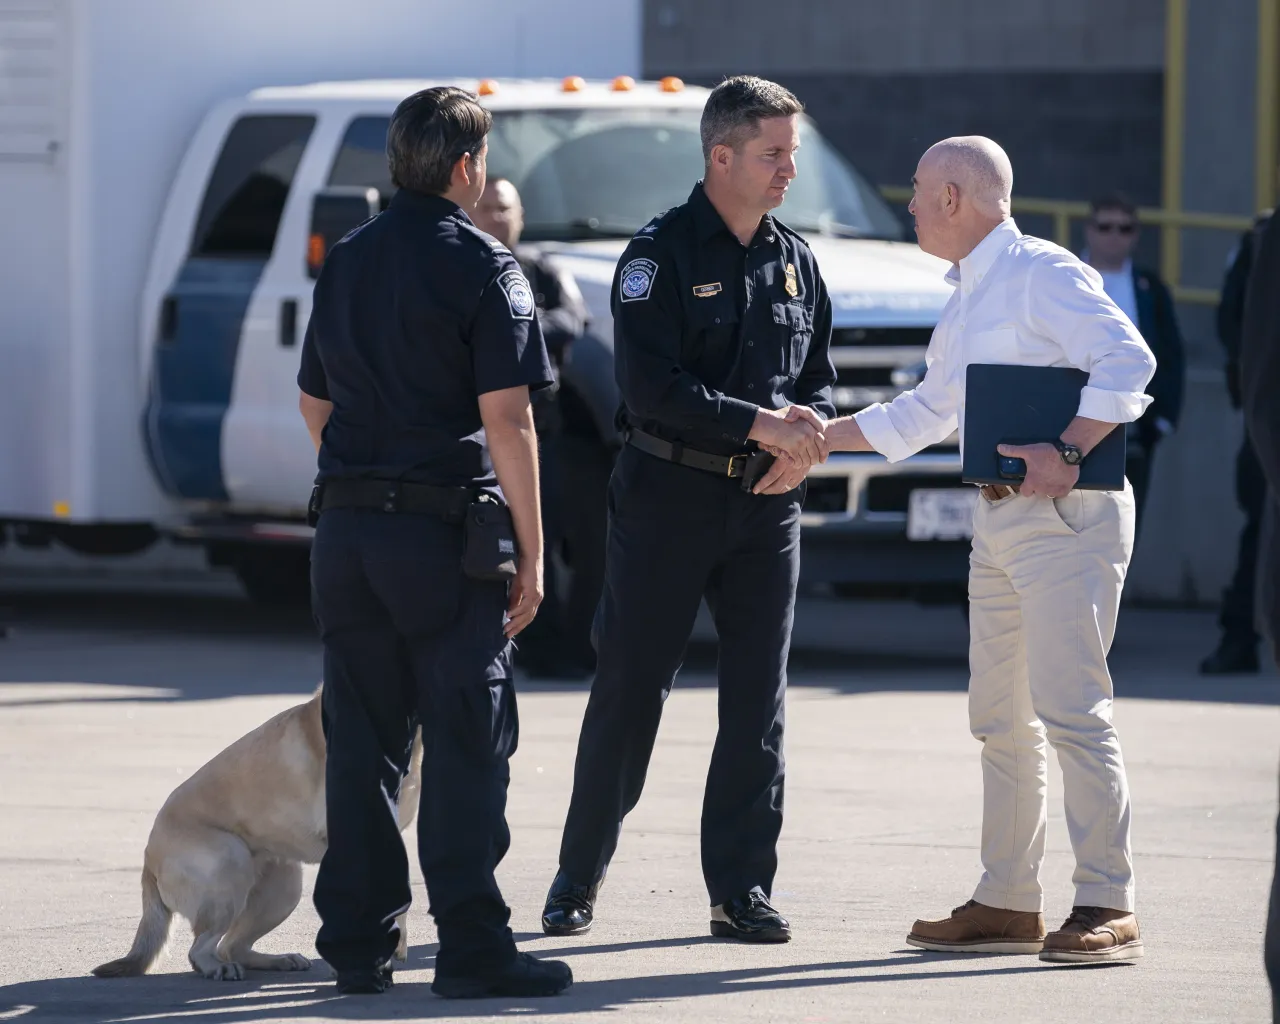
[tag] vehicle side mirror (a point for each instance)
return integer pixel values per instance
(334, 212)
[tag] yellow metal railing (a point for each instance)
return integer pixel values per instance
(1170, 222)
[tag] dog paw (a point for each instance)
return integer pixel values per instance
(402, 952)
(294, 962)
(226, 972)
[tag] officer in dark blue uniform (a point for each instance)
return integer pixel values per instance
(417, 367)
(721, 325)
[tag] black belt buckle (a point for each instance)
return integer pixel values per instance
(758, 463)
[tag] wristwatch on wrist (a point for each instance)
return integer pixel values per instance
(1071, 455)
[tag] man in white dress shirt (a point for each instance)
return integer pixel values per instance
(1048, 561)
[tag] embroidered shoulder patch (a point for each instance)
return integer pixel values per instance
(519, 294)
(637, 280)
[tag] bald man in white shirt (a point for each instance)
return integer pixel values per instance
(1048, 561)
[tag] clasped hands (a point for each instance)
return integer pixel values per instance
(796, 437)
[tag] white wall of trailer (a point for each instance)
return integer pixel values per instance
(119, 90)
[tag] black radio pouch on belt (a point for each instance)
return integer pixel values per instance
(758, 463)
(313, 505)
(489, 542)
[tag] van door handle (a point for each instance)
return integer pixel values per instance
(288, 323)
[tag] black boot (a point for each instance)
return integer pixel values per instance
(370, 981)
(570, 907)
(525, 976)
(1233, 656)
(749, 918)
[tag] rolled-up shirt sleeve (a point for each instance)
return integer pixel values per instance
(925, 415)
(1066, 302)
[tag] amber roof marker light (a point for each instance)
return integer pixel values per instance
(487, 87)
(671, 84)
(573, 83)
(623, 83)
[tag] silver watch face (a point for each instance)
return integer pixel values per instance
(1071, 455)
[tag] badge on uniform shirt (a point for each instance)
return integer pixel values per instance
(793, 289)
(636, 280)
(519, 294)
(705, 291)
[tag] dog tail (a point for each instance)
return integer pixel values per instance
(149, 942)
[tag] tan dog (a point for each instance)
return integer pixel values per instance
(227, 849)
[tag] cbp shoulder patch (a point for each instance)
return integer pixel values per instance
(519, 294)
(636, 280)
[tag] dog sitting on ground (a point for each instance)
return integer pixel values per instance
(227, 849)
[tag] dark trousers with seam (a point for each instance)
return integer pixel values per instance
(677, 535)
(1239, 599)
(408, 639)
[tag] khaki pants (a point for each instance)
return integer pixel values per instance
(1044, 588)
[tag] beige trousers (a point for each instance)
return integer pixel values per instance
(1044, 589)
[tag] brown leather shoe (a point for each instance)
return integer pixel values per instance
(977, 928)
(1094, 935)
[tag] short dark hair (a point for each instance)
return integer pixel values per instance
(429, 132)
(736, 107)
(1113, 201)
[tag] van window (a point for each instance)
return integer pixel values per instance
(362, 157)
(246, 194)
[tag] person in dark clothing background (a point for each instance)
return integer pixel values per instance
(415, 376)
(556, 644)
(722, 324)
(1111, 236)
(1237, 650)
(1259, 385)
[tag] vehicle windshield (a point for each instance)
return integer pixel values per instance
(605, 173)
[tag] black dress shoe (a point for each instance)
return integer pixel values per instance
(570, 907)
(524, 976)
(1233, 657)
(370, 981)
(749, 918)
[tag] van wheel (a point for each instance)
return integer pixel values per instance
(280, 577)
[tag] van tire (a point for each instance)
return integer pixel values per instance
(277, 577)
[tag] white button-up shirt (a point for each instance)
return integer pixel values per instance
(1023, 300)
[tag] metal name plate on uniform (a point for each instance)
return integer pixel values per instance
(941, 513)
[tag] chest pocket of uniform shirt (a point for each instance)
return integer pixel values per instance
(795, 329)
(714, 324)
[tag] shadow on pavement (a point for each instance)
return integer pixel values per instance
(285, 997)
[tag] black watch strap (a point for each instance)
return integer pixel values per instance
(1071, 454)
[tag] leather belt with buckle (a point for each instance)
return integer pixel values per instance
(673, 451)
(994, 492)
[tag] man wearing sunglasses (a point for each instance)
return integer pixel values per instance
(1111, 236)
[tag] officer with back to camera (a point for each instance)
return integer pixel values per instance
(416, 371)
(721, 325)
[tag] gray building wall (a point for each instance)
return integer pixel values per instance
(1074, 92)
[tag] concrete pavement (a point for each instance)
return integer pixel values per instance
(107, 702)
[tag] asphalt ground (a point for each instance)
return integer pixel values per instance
(110, 695)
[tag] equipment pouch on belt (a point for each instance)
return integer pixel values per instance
(758, 463)
(489, 542)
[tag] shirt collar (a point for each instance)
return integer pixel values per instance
(708, 222)
(972, 268)
(437, 207)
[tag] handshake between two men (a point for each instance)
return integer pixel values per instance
(798, 438)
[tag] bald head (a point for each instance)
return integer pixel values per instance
(977, 166)
(962, 190)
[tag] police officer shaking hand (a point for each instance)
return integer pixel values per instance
(722, 327)
(416, 370)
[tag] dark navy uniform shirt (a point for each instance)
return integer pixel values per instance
(416, 314)
(707, 330)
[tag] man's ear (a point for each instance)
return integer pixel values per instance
(463, 171)
(721, 156)
(951, 196)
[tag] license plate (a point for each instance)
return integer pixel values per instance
(941, 513)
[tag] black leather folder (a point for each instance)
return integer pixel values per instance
(1007, 404)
